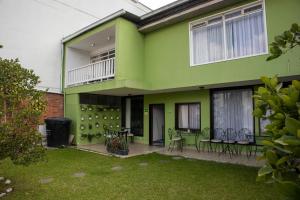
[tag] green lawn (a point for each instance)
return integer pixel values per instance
(162, 177)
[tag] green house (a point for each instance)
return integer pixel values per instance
(188, 65)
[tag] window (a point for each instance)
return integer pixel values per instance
(187, 116)
(234, 34)
(263, 122)
(232, 109)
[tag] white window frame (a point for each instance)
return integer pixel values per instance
(222, 14)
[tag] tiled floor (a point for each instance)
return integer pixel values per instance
(135, 149)
(140, 149)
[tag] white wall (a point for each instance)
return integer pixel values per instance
(31, 30)
(76, 58)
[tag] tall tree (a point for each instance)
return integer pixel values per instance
(21, 106)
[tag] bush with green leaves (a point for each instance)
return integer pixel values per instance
(281, 106)
(21, 106)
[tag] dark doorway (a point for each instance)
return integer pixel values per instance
(157, 125)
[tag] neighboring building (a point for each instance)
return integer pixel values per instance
(31, 30)
(188, 65)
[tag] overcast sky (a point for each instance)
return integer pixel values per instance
(154, 4)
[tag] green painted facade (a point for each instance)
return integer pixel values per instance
(158, 63)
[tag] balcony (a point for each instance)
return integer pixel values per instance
(91, 59)
(97, 71)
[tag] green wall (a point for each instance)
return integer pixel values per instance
(129, 58)
(169, 100)
(72, 112)
(167, 53)
(159, 60)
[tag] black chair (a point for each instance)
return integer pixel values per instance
(197, 138)
(245, 137)
(205, 139)
(229, 141)
(217, 141)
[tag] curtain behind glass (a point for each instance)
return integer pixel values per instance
(245, 35)
(233, 109)
(183, 116)
(194, 116)
(208, 43)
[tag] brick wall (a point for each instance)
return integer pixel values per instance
(55, 107)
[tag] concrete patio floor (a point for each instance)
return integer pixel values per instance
(136, 149)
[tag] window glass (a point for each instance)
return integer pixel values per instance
(188, 116)
(231, 35)
(232, 109)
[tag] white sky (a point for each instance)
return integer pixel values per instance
(154, 4)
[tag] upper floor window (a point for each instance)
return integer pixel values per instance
(103, 56)
(233, 34)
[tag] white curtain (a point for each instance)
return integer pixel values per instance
(158, 123)
(194, 116)
(183, 116)
(233, 109)
(245, 35)
(189, 116)
(208, 43)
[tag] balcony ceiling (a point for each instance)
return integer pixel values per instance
(99, 40)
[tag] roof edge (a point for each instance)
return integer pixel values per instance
(163, 8)
(119, 13)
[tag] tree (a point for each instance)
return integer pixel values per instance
(282, 150)
(21, 106)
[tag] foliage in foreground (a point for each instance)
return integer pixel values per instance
(21, 106)
(282, 150)
(285, 42)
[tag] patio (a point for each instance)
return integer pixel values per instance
(136, 149)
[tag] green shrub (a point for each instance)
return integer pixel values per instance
(21, 106)
(282, 150)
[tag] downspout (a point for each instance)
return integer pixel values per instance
(62, 75)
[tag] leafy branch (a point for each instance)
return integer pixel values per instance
(285, 42)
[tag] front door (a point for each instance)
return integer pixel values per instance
(157, 125)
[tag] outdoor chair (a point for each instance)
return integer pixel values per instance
(176, 140)
(229, 141)
(205, 140)
(244, 140)
(218, 139)
(197, 138)
(129, 134)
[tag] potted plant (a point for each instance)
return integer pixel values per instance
(117, 145)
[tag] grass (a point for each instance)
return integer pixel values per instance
(163, 178)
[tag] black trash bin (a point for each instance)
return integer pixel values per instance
(58, 131)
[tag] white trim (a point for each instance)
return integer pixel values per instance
(229, 59)
(180, 14)
(93, 25)
(201, 20)
(265, 23)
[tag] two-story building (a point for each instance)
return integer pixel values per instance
(188, 65)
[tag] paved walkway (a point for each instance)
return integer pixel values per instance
(141, 149)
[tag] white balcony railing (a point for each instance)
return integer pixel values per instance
(98, 71)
